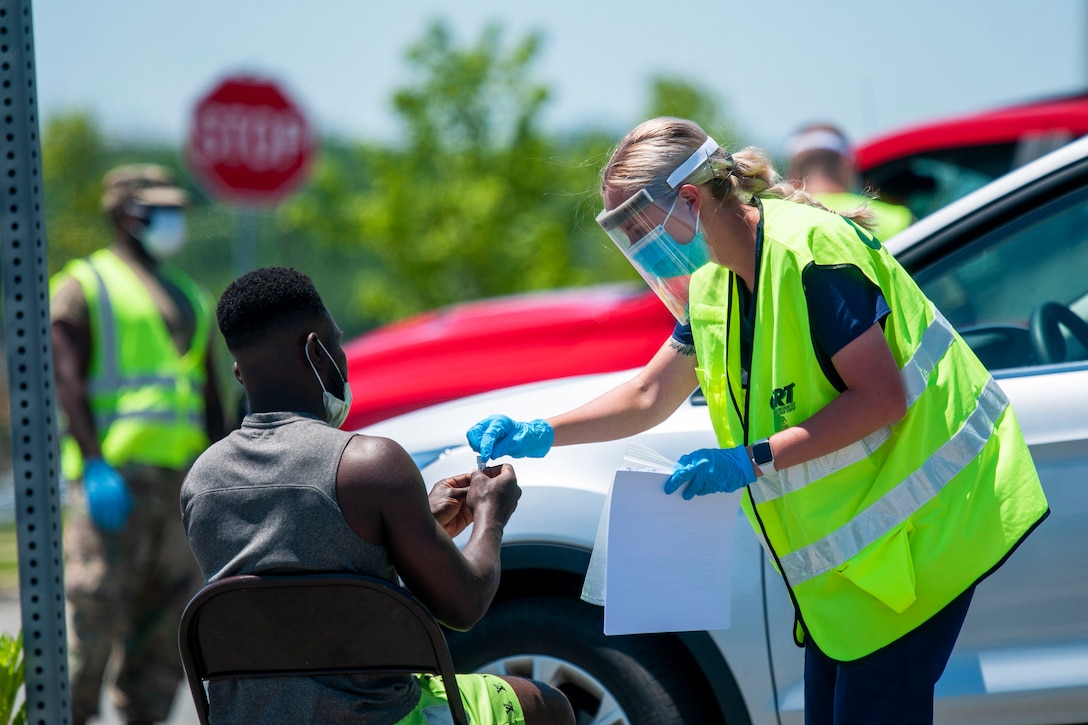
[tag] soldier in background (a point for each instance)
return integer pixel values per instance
(136, 384)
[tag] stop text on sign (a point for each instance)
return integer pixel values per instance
(249, 142)
(260, 138)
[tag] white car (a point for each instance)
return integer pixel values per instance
(1008, 265)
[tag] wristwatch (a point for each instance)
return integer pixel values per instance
(762, 454)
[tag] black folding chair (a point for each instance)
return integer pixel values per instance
(312, 624)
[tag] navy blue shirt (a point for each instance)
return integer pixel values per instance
(842, 304)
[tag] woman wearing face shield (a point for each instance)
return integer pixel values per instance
(883, 468)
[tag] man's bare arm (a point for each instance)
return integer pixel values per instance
(71, 360)
(385, 501)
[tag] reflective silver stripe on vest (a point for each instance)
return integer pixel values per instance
(140, 381)
(936, 340)
(108, 375)
(915, 373)
(907, 497)
(775, 484)
(105, 420)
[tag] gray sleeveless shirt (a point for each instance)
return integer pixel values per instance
(263, 500)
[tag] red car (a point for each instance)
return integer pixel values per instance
(496, 343)
(479, 346)
(928, 165)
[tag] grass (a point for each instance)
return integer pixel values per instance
(9, 558)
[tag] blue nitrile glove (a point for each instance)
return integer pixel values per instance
(712, 470)
(497, 435)
(108, 497)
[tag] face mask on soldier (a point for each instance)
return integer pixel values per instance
(163, 234)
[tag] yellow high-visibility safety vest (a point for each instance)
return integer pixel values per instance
(147, 399)
(874, 539)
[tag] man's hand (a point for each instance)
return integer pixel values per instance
(448, 503)
(493, 492)
(108, 497)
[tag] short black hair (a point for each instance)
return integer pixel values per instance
(265, 300)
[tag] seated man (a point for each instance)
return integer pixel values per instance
(289, 492)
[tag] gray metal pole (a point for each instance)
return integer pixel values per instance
(34, 447)
(245, 242)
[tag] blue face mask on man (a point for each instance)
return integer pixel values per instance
(336, 409)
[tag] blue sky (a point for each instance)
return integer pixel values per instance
(870, 66)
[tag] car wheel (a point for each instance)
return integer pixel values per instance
(626, 680)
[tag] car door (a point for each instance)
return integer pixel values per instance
(1014, 281)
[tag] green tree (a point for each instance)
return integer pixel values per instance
(318, 231)
(74, 158)
(478, 202)
(675, 97)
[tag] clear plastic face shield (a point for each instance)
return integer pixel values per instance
(660, 235)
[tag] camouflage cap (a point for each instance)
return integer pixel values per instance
(148, 184)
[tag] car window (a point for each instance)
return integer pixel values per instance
(991, 288)
(926, 182)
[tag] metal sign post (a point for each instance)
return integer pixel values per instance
(34, 447)
(245, 240)
(251, 145)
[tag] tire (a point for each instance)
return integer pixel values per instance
(625, 680)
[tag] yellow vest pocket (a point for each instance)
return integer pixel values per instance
(885, 569)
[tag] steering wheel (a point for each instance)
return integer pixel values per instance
(1045, 331)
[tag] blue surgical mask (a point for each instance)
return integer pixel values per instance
(164, 234)
(661, 256)
(667, 265)
(336, 410)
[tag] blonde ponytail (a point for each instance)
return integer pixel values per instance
(652, 150)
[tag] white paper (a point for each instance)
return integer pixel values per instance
(669, 561)
(639, 458)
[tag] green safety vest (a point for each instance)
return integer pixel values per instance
(874, 539)
(890, 218)
(147, 399)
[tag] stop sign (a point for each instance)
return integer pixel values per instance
(249, 142)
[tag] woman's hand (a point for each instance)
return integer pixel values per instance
(497, 436)
(712, 470)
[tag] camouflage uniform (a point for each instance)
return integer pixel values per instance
(129, 588)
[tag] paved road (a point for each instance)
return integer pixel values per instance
(183, 713)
